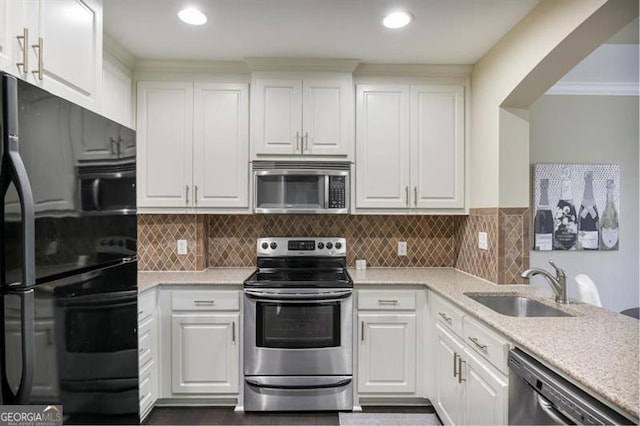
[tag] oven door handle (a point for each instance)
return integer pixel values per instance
(323, 296)
(321, 385)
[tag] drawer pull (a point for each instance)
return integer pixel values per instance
(478, 344)
(233, 332)
(204, 302)
(362, 331)
(445, 317)
(141, 312)
(387, 301)
(141, 350)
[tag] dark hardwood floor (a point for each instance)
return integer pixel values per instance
(226, 416)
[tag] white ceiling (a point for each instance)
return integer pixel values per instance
(443, 31)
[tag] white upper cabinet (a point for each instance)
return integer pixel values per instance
(382, 147)
(193, 146)
(301, 116)
(221, 145)
(165, 140)
(56, 45)
(409, 147)
(117, 94)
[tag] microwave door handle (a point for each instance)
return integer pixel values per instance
(326, 191)
(95, 193)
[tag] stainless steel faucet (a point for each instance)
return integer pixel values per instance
(558, 283)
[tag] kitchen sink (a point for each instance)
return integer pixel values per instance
(517, 306)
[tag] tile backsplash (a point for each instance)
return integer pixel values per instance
(432, 241)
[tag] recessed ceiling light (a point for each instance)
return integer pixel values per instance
(192, 16)
(397, 20)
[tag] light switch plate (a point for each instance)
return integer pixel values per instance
(402, 248)
(182, 247)
(483, 241)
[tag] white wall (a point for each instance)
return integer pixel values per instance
(594, 129)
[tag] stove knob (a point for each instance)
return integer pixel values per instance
(274, 246)
(338, 245)
(329, 246)
(265, 246)
(320, 246)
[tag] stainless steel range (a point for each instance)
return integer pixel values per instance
(298, 327)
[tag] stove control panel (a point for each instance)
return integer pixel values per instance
(317, 246)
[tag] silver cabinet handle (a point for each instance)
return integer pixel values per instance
(478, 344)
(112, 144)
(406, 194)
(195, 195)
(455, 363)
(297, 141)
(306, 141)
(362, 331)
(40, 48)
(445, 317)
(120, 142)
(460, 362)
(24, 39)
(387, 301)
(233, 332)
(415, 196)
(187, 194)
(204, 302)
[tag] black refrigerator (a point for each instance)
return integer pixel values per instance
(68, 288)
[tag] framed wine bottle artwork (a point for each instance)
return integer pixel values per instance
(576, 206)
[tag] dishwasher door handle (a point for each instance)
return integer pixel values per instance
(551, 411)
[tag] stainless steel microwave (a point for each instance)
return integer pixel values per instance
(301, 187)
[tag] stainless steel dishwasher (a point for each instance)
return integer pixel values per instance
(539, 396)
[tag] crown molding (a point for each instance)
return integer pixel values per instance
(171, 66)
(301, 64)
(412, 70)
(595, 88)
(116, 50)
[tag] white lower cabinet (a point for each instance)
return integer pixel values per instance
(389, 339)
(471, 370)
(387, 353)
(204, 353)
(204, 327)
(147, 351)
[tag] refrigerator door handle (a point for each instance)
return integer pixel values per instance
(28, 348)
(27, 330)
(17, 173)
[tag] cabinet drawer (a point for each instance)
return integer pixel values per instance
(146, 305)
(205, 300)
(387, 300)
(487, 343)
(446, 314)
(146, 338)
(146, 388)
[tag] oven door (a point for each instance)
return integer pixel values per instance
(298, 332)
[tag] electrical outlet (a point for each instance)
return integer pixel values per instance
(483, 241)
(182, 247)
(402, 248)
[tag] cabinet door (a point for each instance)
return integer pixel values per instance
(72, 49)
(326, 118)
(276, 117)
(205, 353)
(165, 143)
(8, 32)
(486, 393)
(449, 391)
(437, 146)
(382, 147)
(221, 145)
(387, 353)
(116, 94)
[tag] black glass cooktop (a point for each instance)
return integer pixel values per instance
(299, 277)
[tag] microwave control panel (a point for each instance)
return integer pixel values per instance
(337, 192)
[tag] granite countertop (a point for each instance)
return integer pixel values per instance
(596, 348)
